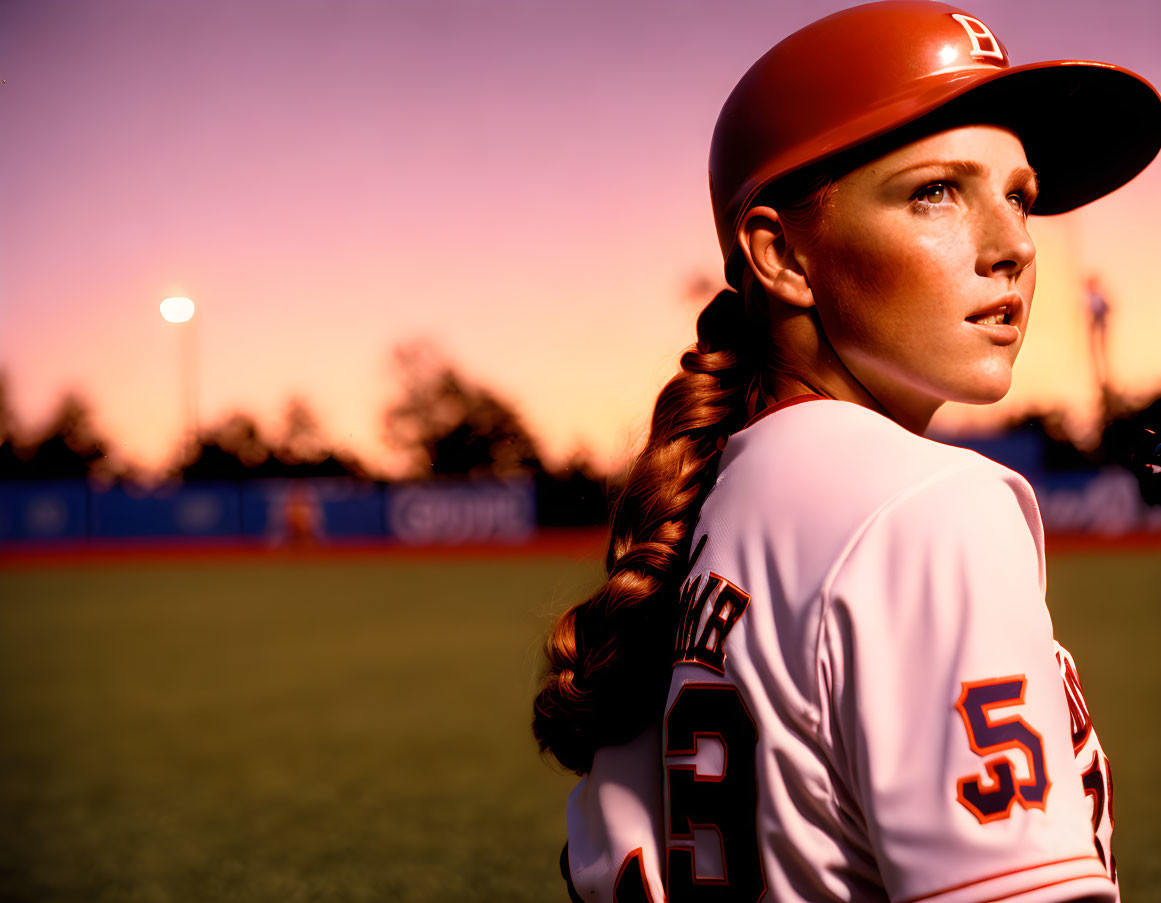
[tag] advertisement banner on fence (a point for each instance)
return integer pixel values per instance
(445, 513)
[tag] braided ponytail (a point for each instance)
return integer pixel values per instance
(609, 656)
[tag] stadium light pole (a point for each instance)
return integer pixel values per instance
(180, 311)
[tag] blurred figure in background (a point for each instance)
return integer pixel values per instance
(301, 521)
(1097, 307)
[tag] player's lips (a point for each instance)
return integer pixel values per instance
(1002, 320)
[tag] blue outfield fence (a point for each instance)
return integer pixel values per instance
(1105, 503)
(276, 511)
(207, 511)
(1101, 502)
(44, 511)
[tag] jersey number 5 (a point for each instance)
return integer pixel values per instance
(725, 803)
(989, 737)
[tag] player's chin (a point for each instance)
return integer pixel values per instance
(990, 385)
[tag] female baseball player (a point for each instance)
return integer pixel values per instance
(821, 667)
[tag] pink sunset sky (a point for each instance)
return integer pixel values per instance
(523, 183)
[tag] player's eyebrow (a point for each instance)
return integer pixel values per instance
(964, 168)
(1028, 175)
(956, 167)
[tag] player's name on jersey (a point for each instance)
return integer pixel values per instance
(710, 606)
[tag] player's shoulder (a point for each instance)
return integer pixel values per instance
(809, 485)
(815, 474)
(943, 514)
(843, 453)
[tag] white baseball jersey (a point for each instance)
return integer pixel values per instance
(867, 701)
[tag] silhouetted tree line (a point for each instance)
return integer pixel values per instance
(445, 428)
(1133, 441)
(69, 449)
(1130, 439)
(448, 428)
(237, 451)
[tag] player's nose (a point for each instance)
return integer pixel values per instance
(1004, 244)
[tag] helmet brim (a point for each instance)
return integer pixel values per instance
(1088, 128)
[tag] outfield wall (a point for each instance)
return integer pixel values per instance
(1102, 503)
(274, 511)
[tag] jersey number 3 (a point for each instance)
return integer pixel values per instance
(989, 739)
(725, 803)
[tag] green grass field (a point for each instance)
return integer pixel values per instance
(357, 729)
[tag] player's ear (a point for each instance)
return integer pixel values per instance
(770, 256)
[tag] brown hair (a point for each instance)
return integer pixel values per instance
(609, 657)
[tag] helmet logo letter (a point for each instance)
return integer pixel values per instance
(977, 31)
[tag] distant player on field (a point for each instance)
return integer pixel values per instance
(821, 667)
(1097, 307)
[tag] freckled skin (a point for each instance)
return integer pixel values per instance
(907, 252)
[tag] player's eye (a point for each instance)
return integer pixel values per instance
(932, 194)
(935, 194)
(1020, 202)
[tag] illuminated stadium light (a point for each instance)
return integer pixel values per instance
(177, 310)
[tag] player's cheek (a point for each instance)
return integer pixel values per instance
(856, 298)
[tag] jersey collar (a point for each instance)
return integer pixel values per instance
(785, 403)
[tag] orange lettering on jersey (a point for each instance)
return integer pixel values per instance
(690, 604)
(704, 643)
(1078, 715)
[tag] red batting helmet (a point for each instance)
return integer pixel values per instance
(1087, 128)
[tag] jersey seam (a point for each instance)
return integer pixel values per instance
(1023, 890)
(848, 550)
(947, 472)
